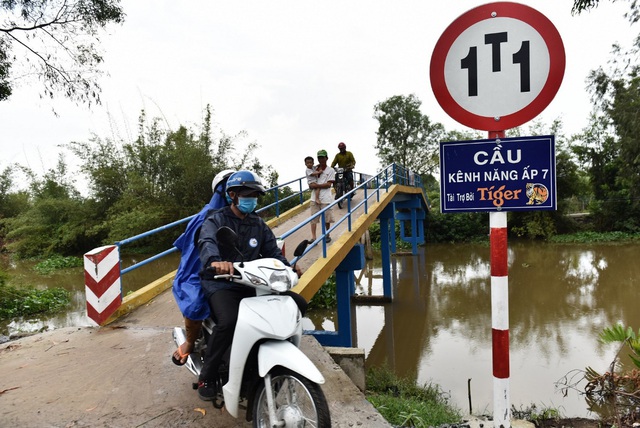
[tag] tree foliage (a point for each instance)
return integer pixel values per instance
(406, 136)
(571, 183)
(55, 218)
(56, 41)
(162, 176)
(580, 6)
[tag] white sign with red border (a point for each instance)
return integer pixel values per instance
(497, 66)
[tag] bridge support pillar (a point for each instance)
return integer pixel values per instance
(387, 241)
(410, 213)
(345, 288)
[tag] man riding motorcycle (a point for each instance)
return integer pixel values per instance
(255, 240)
(344, 159)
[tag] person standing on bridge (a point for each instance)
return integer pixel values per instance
(324, 183)
(344, 159)
(186, 284)
(255, 240)
(312, 177)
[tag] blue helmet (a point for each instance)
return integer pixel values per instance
(245, 180)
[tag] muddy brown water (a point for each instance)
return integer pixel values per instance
(438, 328)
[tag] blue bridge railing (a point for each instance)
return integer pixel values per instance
(370, 185)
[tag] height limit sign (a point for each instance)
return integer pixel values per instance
(497, 66)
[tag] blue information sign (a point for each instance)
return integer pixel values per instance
(505, 174)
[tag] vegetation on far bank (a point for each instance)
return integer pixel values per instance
(596, 237)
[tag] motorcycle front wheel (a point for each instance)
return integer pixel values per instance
(298, 402)
(339, 192)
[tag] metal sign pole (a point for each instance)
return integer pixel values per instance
(500, 314)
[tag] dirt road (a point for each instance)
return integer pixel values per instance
(122, 376)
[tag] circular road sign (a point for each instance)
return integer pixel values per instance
(497, 66)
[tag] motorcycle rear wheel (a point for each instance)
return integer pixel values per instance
(298, 401)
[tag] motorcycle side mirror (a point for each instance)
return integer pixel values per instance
(300, 248)
(227, 237)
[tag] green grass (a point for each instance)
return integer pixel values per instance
(404, 403)
(534, 414)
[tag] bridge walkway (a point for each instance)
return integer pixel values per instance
(321, 261)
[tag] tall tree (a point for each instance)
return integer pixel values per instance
(610, 146)
(161, 176)
(55, 40)
(406, 136)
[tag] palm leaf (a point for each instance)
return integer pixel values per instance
(616, 333)
(636, 361)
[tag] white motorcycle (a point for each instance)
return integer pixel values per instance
(265, 372)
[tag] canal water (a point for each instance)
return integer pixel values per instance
(438, 328)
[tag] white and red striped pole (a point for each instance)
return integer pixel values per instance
(500, 314)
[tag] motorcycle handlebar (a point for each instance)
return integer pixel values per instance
(213, 270)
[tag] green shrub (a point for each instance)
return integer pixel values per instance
(459, 227)
(325, 298)
(16, 302)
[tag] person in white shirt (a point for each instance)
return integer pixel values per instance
(324, 183)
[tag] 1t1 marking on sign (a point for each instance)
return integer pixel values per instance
(484, 64)
(522, 57)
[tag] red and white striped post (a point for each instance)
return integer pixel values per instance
(102, 282)
(500, 314)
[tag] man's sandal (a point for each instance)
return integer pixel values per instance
(182, 360)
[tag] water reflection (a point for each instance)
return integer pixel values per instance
(439, 325)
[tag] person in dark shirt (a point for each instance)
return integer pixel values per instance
(255, 240)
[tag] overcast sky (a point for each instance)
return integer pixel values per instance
(297, 76)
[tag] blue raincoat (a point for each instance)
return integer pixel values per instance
(186, 284)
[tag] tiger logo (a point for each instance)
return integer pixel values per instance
(537, 193)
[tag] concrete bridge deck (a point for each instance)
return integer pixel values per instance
(122, 376)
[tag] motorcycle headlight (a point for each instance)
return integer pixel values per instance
(280, 280)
